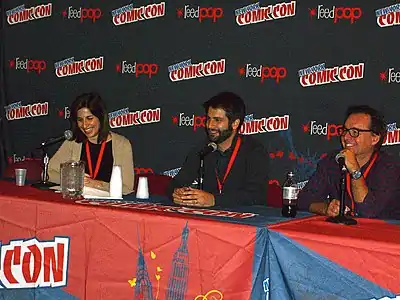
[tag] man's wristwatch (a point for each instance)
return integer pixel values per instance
(356, 175)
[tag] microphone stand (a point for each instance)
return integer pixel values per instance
(44, 184)
(201, 172)
(341, 218)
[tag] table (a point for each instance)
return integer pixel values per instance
(56, 249)
(313, 259)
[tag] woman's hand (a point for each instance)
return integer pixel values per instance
(93, 183)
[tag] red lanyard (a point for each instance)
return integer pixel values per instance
(230, 164)
(99, 159)
(365, 174)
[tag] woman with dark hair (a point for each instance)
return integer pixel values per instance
(94, 144)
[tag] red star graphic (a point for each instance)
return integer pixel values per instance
(179, 12)
(306, 127)
(279, 154)
(118, 68)
(64, 13)
(292, 156)
(241, 71)
(11, 63)
(175, 120)
(383, 76)
(313, 12)
(61, 113)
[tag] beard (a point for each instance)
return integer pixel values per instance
(220, 135)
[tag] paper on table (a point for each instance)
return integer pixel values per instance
(92, 193)
(88, 191)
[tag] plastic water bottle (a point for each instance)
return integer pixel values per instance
(290, 191)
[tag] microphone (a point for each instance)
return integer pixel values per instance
(339, 158)
(67, 135)
(211, 147)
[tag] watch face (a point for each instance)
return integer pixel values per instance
(356, 175)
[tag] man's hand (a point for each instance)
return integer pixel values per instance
(333, 208)
(188, 196)
(350, 160)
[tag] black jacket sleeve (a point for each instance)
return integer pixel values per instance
(188, 172)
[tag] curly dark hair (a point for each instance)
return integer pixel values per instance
(231, 103)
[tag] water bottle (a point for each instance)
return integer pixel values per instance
(290, 191)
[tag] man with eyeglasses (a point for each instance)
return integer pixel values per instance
(373, 176)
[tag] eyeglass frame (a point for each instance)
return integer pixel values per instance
(358, 130)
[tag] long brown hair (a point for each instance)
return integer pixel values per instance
(95, 104)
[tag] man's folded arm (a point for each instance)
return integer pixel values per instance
(187, 173)
(386, 193)
(311, 197)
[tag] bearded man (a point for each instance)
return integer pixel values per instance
(236, 174)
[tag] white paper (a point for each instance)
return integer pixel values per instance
(92, 192)
(100, 197)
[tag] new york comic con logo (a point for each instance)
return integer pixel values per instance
(187, 70)
(390, 76)
(137, 69)
(254, 13)
(17, 111)
(263, 72)
(129, 14)
(334, 13)
(20, 14)
(32, 263)
(28, 65)
(319, 74)
(388, 16)
(252, 125)
(326, 129)
(82, 13)
(200, 13)
(393, 135)
(70, 67)
(124, 118)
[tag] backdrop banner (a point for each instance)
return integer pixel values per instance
(297, 64)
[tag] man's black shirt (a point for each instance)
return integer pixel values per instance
(247, 181)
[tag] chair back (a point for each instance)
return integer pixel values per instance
(158, 184)
(274, 195)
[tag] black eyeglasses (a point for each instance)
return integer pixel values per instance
(354, 132)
